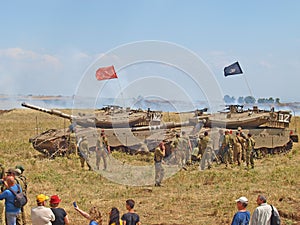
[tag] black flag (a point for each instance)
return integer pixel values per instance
(233, 69)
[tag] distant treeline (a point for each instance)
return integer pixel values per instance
(249, 100)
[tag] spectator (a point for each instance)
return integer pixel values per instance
(114, 217)
(130, 218)
(11, 211)
(94, 215)
(242, 217)
(61, 217)
(262, 213)
(41, 215)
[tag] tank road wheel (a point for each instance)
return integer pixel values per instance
(287, 147)
(262, 152)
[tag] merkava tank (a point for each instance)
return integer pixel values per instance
(269, 128)
(130, 131)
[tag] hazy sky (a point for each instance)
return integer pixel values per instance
(46, 46)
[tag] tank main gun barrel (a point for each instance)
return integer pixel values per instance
(168, 125)
(49, 111)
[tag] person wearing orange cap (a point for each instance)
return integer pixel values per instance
(41, 215)
(61, 217)
(159, 154)
(11, 211)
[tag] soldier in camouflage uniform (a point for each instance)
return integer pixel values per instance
(238, 148)
(232, 143)
(72, 147)
(242, 134)
(159, 154)
(226, 147)
(2, 175)
(206, 146)
(250, 143)
(84, 152)
(174, 149)
(22, 181)
(102, 150)
(186, 147)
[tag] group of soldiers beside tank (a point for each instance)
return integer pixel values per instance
(235, 148)
(232, 149)
(81, 147)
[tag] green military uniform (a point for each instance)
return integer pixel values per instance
(2, 174)
(175, 151)
(22, 181)
(72, 147)
(206, 146)
(195, 155)
(84, 152)
(159, 154)
(231, 146)
(225, 148)
(238, 148)
(250, 143)
(101, 151)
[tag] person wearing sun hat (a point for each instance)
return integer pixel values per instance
(243, 215)
(61, 217)
(41, 215)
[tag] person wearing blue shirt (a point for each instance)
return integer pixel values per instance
(242, 217)
(11, 211)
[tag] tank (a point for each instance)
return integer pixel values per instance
(130, 131)
(269, 128)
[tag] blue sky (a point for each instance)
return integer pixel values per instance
(46, 46)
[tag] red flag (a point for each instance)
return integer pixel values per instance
(105, 73)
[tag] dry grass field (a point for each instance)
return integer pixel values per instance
(190, 197)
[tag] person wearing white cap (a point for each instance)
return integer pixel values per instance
(242, 216)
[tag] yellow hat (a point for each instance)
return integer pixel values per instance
(41, 198)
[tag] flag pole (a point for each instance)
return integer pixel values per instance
(248, 85)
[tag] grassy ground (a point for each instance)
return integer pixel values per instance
(189, 197)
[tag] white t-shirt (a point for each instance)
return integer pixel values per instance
(41, 215)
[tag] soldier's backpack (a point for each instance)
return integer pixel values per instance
(20, 198)
(275, 218)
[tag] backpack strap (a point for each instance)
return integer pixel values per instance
(272, 209)
(14, 191)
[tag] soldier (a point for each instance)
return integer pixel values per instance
(159, 154)
(185, 148)
(200, 150)
(220, 151)
(237, 150)
(102, 150)
(243, 154)
(22, 180)
(2, 175)
(84, 152)
(226, 147)
(232, 142)
(174, 148)
(206, 146)
(72, 147)
(250, 143)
